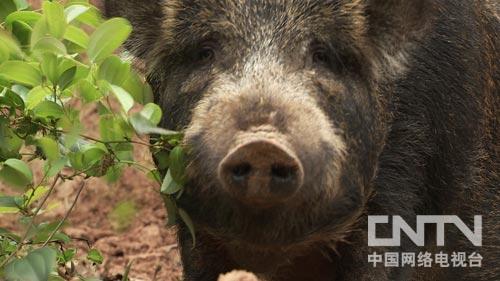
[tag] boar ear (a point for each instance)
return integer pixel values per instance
(398, 20)
(146, 19)
(393, 25)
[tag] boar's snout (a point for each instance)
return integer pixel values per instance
(261, 172)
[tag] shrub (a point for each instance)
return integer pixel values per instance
(54, 61)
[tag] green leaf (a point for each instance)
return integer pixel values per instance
(10, 144)
(21, 167)
(113, 174)
(22, 31)
(82, 71)
(124, 151)
(20, 94)
(155, 176)
(169, 186)
(92, 17)
(86, 157)
(39, 31)
(58, 278)
(104, 87)
(4, 53)
(21, 72)
(123, 97)
(9, 43)
(21, 4)
(54, 167)
(36, 96)
(162, 159)
(50, 148)
(152, 112)
(113, 70)
(88, 91)
(7, 247)
(67, 78)
(143, 126)
(92, 156)
(7, 233)
(74, 11)
(8, 210)
(95, 256)
(50, 67)
(34, 194)
(107, 38)
(27, 17)
(110, 128)
(189, 223)
(172, 210)
(140, 91)
(44, 230)
(80, 2)
(177, 164)
(16, 173)
(9, 204)
(6, 8)
(55, 18)
(49, 45)
(77, 36)
(58, 237)
(48, 109)
(66, 256)
(36, 266)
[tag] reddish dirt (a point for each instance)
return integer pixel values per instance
(146, 242)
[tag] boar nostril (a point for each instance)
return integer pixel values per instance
(240, 172)
(282, 173)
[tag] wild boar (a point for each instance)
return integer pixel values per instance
(303, 117)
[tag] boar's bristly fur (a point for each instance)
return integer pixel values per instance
(303, 117)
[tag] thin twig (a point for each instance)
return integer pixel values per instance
(82, 185)
(98, 140)
(45, 175)
(141, 167)
(87, 241)
(113, 142)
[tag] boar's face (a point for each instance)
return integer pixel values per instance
(282, 108)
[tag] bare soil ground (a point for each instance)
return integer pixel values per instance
(146, 241)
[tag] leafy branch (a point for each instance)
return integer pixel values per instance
(54, 62)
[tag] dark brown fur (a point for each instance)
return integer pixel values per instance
(401, 118)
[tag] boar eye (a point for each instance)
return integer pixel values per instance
(205, 54)
(321, 56)
(329, 58)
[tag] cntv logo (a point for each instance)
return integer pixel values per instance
(418, 235)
